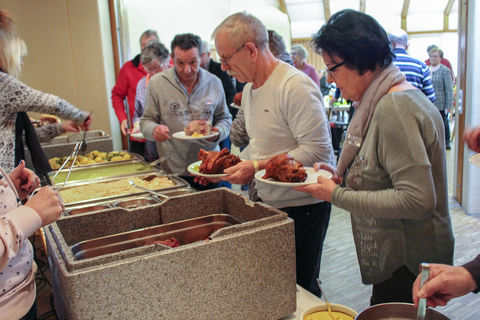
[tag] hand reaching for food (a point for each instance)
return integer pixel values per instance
(24, 180)
(47, 203)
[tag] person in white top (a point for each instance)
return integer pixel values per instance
(284, 113)
(17, 223)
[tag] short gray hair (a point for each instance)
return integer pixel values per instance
(398, 36)
(301, 51)
(154, 50)
(243, 27)
(205, 47)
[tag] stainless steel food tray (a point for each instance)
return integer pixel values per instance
(100, 166)
(179, 183)
(186, 231)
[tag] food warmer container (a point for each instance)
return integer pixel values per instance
(100, 171)
(236, 260)
(63, 145)
(111, 184)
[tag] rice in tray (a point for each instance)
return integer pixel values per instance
(113, 188)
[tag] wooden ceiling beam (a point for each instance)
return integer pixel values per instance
(446, 14)
(406, 5)
(326, 9)
(363, 5)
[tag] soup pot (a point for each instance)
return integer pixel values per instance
(397, 311)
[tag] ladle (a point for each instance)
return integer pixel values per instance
(326, 300)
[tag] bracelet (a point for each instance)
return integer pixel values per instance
(255, 165)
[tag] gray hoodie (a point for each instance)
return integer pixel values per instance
(168, 103)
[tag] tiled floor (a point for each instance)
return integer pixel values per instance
(340, 273)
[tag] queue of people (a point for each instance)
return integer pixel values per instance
(391, 173)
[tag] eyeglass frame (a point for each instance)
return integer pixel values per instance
(225, 60)
(334, 68)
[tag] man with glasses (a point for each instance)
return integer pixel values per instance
(179, 95)
(282, 112)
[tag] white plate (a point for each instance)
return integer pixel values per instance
(475, 159)
(137, 135)
(182, 136)
(193, 169)
(312, 176)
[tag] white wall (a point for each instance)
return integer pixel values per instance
(471, 174)
(186, 16)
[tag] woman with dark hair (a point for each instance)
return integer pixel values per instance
(391, 175)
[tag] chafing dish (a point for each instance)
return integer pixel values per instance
(397, 310)
(86, 209)
(102, 171)
(186, 231)
(135, 203)
(103, 184)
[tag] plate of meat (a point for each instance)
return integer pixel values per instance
(212, 163)
(196, 130)
(283, 170)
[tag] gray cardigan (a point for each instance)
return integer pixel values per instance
(443, 86)
(396, 189)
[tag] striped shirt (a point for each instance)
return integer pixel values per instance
(416, 72)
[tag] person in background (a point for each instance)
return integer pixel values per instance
(17, 223)
(443, 86)
(283, 113)
(299, 55)
(416, 72)
(130, 73)
(324, 85)
(179, 95)
(278, 48)
(154, 58)
(443, 60)
(16, 99)
(446, 282)
(391, 175)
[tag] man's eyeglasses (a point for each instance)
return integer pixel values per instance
(335, 67)
(225, 60)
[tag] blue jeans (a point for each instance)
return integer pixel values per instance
(311, 223)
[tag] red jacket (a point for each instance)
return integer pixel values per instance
(126, 86)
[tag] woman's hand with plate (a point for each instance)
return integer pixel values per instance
(324, 187)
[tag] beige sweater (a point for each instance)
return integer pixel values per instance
(396, 189)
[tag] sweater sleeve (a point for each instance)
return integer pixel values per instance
(307, 120)
(15, 227)
(474, 268)
(222, 119)
(19, 97)
(238, 132)
(119, 92)
(47, 133)
(152, 114)
(402, 153)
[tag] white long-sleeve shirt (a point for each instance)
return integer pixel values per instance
(286, 115)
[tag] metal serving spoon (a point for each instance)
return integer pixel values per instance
(422, 303)
(161, 196)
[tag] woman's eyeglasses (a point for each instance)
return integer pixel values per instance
(335, 67)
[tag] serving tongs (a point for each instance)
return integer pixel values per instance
(74, 154)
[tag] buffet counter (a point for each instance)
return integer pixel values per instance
(305, 301)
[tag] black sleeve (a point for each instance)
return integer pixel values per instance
(474, 268)
(228, 87)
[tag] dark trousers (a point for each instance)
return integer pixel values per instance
(311, 223)
(137, 147)
(447, 127)
(398, 288)
(32, 313)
